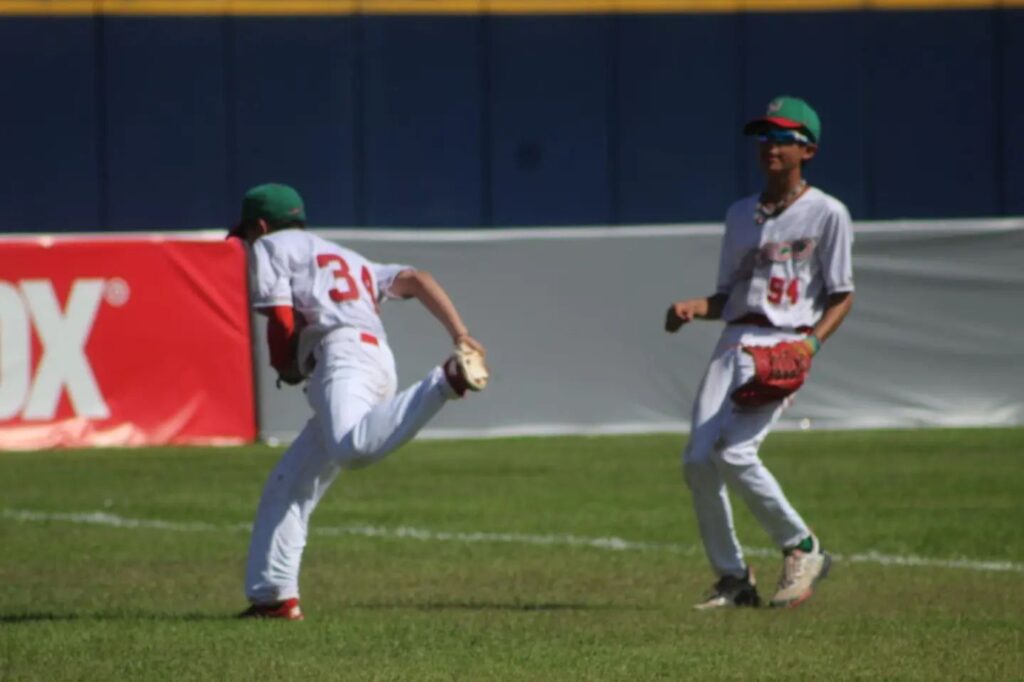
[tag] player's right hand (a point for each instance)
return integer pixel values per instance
(679, 313)
(471, 342)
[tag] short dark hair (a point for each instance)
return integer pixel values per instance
(301, 224)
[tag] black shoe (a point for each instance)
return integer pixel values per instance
(731, 591)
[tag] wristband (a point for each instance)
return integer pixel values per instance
(813, 344)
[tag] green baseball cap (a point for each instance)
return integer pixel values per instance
(787, 112)
(276, 203)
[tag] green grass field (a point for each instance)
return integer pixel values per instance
(490, 586)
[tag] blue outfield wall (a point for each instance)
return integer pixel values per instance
(139, 123)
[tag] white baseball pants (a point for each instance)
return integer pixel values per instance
(722, 449)
(357, 420)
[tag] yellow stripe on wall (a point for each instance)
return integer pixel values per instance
(347, 7)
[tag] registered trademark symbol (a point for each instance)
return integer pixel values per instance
(116, 292)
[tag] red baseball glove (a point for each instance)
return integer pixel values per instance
(779, 371)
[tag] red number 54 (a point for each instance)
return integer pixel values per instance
(778, 288)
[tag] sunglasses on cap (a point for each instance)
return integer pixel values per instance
(783, 137)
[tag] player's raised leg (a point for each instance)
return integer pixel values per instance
(365, 431)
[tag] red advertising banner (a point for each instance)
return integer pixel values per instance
(124, 341)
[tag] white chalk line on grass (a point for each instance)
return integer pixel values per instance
(559, 540)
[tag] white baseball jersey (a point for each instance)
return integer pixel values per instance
(786, 268)
(328, 285)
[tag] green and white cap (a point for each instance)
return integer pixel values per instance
(787, 112)
(273, 202)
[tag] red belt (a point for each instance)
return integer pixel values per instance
(758, 320)
(366, 337)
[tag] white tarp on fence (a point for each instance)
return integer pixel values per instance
(573, 322)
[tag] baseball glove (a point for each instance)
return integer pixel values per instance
(779, 371)
(292, 377)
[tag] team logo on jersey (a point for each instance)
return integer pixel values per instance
(803, 248)
(775, 252)
(798, 250)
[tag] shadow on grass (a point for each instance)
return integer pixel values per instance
(45, 617)
(525, 607)
(15, 618)
(495, 606)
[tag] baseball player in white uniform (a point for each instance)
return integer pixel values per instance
(785, 283)
(322, 303)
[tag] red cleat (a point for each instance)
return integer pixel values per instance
(287, 610)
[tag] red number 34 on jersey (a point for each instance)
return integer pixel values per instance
(345, 288)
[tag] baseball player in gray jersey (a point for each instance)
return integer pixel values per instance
(785, 284)
(324, 328)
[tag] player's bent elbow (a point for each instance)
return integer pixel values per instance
(424, 278)
(422, 282)
(841, 300)
(840, 297)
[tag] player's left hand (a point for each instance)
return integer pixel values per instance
(779, 371)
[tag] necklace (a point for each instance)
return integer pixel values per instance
(765, 210)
